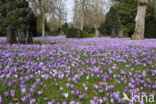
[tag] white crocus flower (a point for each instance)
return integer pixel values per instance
(101, 101)
(66, 95)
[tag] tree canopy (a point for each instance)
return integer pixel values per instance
(18, 13)
(124, 14)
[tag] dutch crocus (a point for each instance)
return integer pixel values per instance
(32, 101)
(6, 94)
(12, 92)
(1, 101)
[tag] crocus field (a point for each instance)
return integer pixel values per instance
(77, 71)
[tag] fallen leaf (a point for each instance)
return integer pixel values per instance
(16, 100)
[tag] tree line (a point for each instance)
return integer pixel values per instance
(121, 18)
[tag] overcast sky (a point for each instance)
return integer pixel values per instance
(69, 8)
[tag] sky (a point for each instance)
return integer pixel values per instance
(69, 8)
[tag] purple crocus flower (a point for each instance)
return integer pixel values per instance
(32, 101)
(6, 94)
(92, 102)
(23, 90)
(31, 90)
(96, 86)
(9, 84)
(77, 92)
(61, 88)
(64, 102)
(58, 102)
(72, 102)
(72, 86)
(45, 98)
(24, 98)
(1, 101)
(154, 86)
(112, 100)
(39, 93)
(37, 80)
(77, 103)
(72, 92)
(104, 99)
(46, 77)
(28, 96)
(12, 92)
(68, 84)
(95, 98)
(81, 96)
(53, 101)
(50, 103)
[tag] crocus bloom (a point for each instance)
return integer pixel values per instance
(64, 102)
(12, 92)
(9, 84)
(23, 98)
(81, 96)
(32, 101)
(1, 101)
(23, 90)
(6, 94)
(72, 92)
(39, 93)
(77, 92)
(104, 99)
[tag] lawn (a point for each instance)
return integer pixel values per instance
(57, 70)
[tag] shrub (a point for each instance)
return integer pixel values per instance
(91, 35)
(72, 33)
(89, 30)
(64, 28)
(76, 33)
(55, 32)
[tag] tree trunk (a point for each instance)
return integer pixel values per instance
(29, 38)
(43, 26)
(82, 22)
(75, 14)
(82, 9)
(140, 20)
(113, 33)
(96, 30)
(21, 37)
(121, 33)
(97, 18)
(11, 36)
(43, 19)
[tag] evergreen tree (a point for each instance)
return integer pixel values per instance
(125, 13)
(18, 13)
(112, 23)
(150, 27)
(127, 10)
(2, 18)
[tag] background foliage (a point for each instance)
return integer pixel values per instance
(16, 12)
(122, 17)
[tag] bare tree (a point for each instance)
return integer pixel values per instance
(51, 11)
(75, 19)
(82, 13)
(57, 14)
(96, 13)
(140, 20)
(89, 13)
